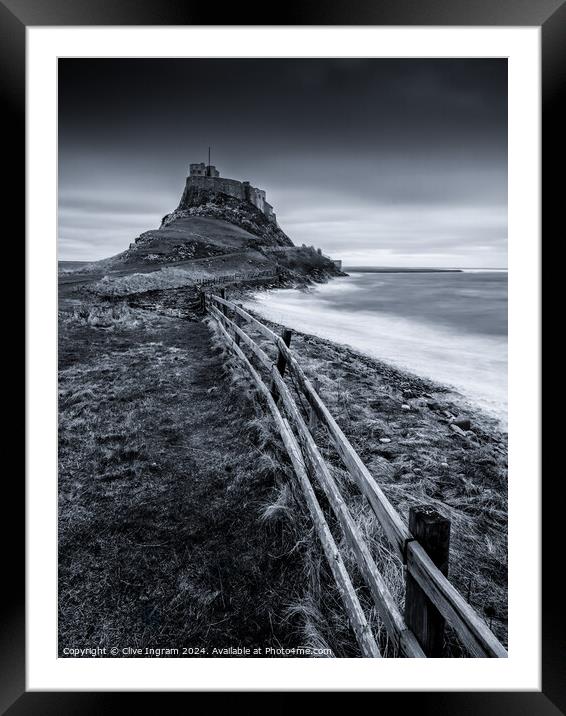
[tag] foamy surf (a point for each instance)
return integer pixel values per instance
(473, 364)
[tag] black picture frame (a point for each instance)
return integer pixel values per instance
(550, 15)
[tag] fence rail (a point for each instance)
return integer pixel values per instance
(432, 597)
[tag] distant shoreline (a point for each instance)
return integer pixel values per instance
(401, 269)
(387, 269)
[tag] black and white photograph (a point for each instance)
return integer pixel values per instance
(283, 363)
(282, 357)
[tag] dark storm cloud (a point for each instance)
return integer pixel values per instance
(384, 160)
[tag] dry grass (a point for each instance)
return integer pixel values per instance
(101, 316)
(165, 472)
(162, 279)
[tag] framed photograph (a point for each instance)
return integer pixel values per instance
(283, 327)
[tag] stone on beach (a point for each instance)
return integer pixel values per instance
(462, 422)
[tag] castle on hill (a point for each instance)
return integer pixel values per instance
(207, 177)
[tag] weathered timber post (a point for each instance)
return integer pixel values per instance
(432, 531)
(238, 322)
(223, 295)
(281, 361)
(313, 419)
(202, 301)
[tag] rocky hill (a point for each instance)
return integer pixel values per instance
(213, 233)
(200, 202)
(206, 224)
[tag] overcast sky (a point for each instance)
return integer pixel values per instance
(379, 162)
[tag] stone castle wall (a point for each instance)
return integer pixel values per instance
(242, 191)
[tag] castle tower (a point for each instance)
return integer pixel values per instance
(203, 170)
(197, 170)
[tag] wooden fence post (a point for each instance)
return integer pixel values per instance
(432, 531)
(281, 361)
(202, 301)
(223, 295)
(313, 419)
(238, 322)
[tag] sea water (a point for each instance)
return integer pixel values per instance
(449, 327)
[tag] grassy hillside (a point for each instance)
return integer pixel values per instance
(189, 237)
(191, 247)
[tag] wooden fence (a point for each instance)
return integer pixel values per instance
(233, 277)
(430, 598)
